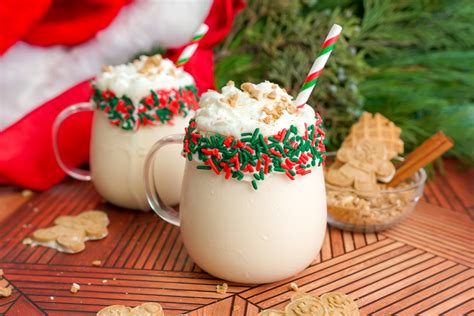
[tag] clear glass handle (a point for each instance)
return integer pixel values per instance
(76, 173)
(164, 211)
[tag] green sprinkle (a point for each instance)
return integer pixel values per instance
(286, 137)
(263, 143)
(246, 134)
(256, 176)
(261, 174)
(201, 167)
(294, 159)
(255, 134)
(254, 184)
(291, 172)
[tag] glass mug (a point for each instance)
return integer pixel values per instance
(238, 234)
(117, 158)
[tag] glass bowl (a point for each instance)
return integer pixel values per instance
(371, 211)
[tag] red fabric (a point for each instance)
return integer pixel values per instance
(26, 151)
(48, 22)
(15, 21)
(73, 22)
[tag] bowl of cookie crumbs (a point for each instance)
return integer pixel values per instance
(359, 198)
(372, 210)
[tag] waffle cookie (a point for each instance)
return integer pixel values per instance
(376, 127)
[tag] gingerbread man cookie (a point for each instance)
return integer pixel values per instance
(361, 166)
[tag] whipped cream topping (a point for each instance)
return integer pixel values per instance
(234, 111)
(136, 79)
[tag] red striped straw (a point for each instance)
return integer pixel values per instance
(192, 46)
(318, 66)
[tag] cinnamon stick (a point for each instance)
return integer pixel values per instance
(431, 149)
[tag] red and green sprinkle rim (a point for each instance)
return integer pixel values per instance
(252, 154)
(159, 107)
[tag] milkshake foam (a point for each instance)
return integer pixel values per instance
(266, 106)
(136, 79)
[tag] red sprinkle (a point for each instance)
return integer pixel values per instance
(265, 168)
(289, 175)
(214, 152)
(213, 166)
(259, 165)
(289, 163)
(236, 161)
(228, 141)
(303, 171)
(276, 153)
(249, 168)
(250, 150)
(239, 144)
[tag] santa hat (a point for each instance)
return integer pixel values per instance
(52, 45)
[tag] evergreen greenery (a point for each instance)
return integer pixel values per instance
(412, 61)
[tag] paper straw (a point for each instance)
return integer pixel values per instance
(193, 45)
(318, 66)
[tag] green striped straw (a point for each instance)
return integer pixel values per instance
(193, 45)
(318, 66)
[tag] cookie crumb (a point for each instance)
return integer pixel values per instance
(27, 241)
(115, 279)
(230, 83)
(75, 288)
(89, 283)
(222, 289)
(236, 308)
(106, 69)
(5, 291)
(26, 193)
(293, 286)
(97, 263)
(104, 281)
(1, 274)
(232, 99)
(250, 89)
(51, 298)
(271, 95)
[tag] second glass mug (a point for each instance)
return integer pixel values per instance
(238, 234)
(117, 157)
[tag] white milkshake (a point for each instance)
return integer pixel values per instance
(135, 104)
(253, 201)
(117, 159)
(247, 236)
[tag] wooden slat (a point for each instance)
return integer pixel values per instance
(439, 231)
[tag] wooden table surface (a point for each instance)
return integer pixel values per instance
(424, 265)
